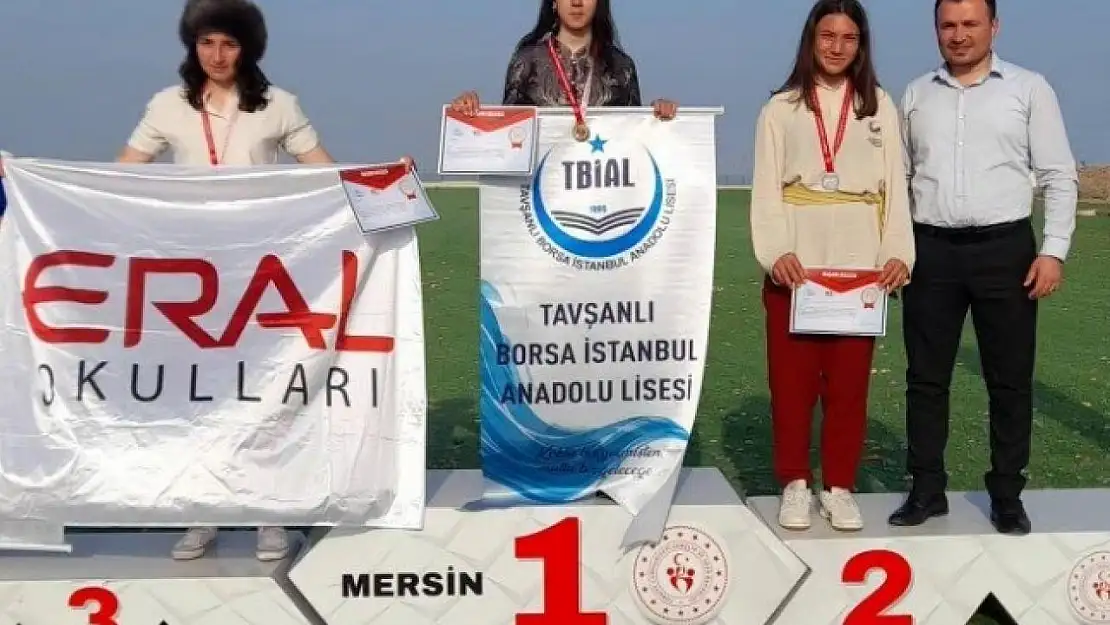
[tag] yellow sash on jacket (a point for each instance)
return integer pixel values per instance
(797, 194)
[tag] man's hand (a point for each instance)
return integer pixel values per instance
(895, 275)
(788, 271)
(1044, 277)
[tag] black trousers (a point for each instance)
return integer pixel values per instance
(981, 270)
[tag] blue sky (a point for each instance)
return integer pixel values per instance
(372, 74)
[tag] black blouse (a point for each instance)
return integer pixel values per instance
(532, 79)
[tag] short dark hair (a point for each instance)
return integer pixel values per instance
(861, 73)
(241, 20)
(992, 6)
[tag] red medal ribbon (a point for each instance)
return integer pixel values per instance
(213, 156)
(208, 137)
(564, 81)
(828, 154)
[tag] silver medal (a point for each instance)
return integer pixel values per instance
(830, 182)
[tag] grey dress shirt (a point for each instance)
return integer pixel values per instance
(974, 153)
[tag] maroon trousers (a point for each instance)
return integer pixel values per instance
(802, 369)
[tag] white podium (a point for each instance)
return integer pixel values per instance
(940, 572)
(129, 579)
(717, 563)
(720, 562)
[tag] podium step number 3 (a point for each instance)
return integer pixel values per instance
(103, 604)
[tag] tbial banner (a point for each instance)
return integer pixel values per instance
(596, 289)
(192, 345)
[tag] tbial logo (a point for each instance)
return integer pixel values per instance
(598, 205)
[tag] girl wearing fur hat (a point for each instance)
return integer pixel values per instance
(225, 111)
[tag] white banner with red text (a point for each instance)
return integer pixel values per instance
(193, 346)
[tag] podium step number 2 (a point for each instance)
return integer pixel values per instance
(898, 576)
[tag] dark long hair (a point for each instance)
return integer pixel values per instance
(861, 73)
(605, 43)
(240, 20)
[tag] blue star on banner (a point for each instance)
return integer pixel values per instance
(598, 144)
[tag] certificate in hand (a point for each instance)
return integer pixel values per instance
(498, 140)
(384, 197)
(839, 301)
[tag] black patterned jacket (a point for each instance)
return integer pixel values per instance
(532, 79)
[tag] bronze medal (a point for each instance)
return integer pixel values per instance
(581, 132)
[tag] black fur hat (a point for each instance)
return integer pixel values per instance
(239, 19)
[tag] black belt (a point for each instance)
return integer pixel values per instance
(972, 234)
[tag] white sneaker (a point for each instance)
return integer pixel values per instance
(840, 508)
(194, 543)
(273, 543)
(796, 505)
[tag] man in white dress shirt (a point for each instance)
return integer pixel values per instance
(975, 130)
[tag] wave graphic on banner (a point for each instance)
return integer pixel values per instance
(519, 450)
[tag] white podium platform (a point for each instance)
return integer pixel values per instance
(716, 563)
(940, 572)
(720, 562)
(130, 579)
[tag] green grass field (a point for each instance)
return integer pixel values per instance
(1072, 400)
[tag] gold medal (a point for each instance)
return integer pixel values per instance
(581, 132)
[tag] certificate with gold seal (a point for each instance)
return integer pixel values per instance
(499, 140)
(385, 197)
(846, 302)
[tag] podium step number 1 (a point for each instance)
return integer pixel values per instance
(559, 547)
